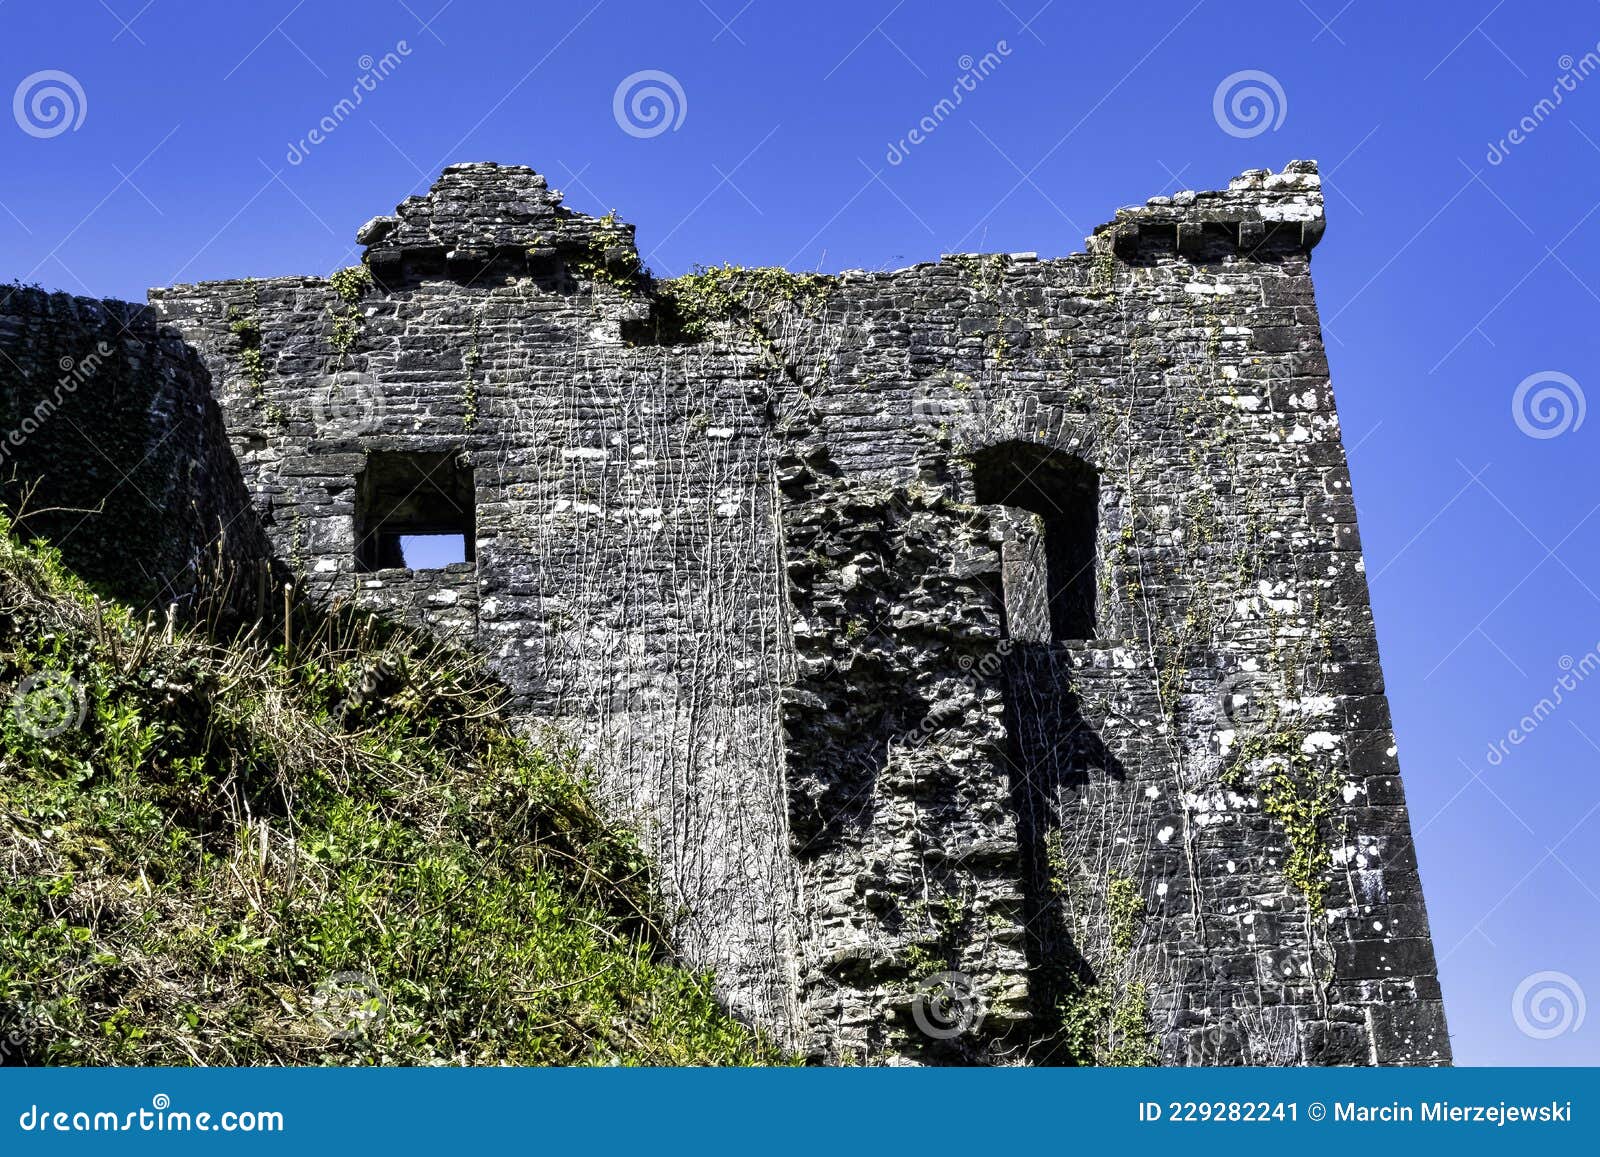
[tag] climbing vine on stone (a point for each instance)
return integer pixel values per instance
(350, 286)
(252, 362)
(1126, 908)
(1299, 792)
(694, 303)
(611, 258)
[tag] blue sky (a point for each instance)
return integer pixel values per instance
(1459, 264)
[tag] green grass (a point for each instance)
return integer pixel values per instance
(335, 853)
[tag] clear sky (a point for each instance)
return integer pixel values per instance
(1460, 263)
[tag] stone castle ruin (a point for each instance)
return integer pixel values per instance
(982, 648)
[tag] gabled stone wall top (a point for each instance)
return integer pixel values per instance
(477, 212)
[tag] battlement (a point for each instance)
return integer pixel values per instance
(481, 214)
(484, 214)
(1259, 210)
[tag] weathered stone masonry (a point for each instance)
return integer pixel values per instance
(999, 621)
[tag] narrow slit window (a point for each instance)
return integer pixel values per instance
(1049, 512)
(414, 511)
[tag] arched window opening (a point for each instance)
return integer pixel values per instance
(1049, 505)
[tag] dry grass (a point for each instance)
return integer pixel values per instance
(325, 846)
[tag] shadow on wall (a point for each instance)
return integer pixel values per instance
(1052, 754)
(1048, 511)
(935, 708)
(112, 447)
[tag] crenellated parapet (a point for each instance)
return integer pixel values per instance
(1260, 211)
(482, 216)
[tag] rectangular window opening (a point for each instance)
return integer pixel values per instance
(414, 511)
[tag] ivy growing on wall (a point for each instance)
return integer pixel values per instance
(252, 362)
(1299, 791)
(610, 258)
(1105, 1015)
(692, 305)
(349, 286)
(471, 359)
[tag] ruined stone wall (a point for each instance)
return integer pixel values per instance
(1207, 821)
(626, 572)
(113, 448)
(768, 548)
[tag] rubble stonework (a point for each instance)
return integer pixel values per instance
(112, 446)
(983, 648)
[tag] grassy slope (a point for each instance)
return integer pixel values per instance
(339, 855)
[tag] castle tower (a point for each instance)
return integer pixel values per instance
(983, 648)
